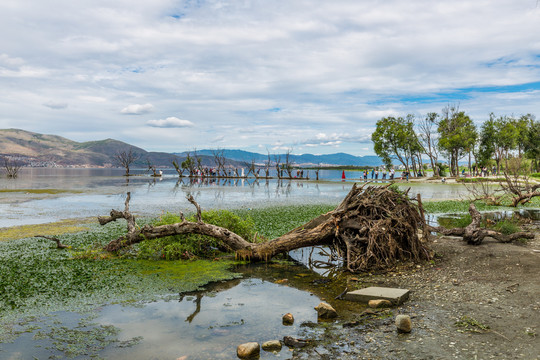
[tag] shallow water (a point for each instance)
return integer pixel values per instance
(199, 325)
(104, 189)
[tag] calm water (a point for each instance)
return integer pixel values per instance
(95, 192)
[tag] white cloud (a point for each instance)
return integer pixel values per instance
(170, 122)
(310, 73)
(137, 109)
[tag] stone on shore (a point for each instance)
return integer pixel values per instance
(326, 311)
(379, 303)
(403, 323)
(272, 345)
(395, 296)
(288, 319)
(248, 350)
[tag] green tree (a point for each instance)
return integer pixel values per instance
(457, 135)
(487, 145)
(532, 144)
(394, 138)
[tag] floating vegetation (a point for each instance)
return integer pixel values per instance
(36, 278)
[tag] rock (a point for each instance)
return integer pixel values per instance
(288, 319)
(282, 281)
(182, 357)
(292, 342)
(379, 303)
(403, 323)
(326, 311)
(248, 350)
(396, 296)
(272, 345)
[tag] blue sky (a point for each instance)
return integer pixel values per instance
(311, 76)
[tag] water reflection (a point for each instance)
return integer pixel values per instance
(100, 190)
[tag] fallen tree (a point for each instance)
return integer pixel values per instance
(372, 228)
(474, 234)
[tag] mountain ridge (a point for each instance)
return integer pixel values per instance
(35, 149)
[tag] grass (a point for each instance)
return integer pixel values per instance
(48, 229)
(275, 221)
(457, 206)
(468, 324)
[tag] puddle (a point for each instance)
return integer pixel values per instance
(199, 325)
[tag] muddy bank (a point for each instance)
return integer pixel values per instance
(471, 302)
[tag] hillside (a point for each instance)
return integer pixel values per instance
(304, 159)
(35, 149)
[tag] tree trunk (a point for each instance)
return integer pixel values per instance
(474, 234)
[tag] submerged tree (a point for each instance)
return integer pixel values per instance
(11, 167)
(126, 158)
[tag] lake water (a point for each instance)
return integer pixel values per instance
(94, 192)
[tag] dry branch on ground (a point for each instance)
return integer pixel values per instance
(474, 234)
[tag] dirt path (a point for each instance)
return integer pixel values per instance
(493, 285)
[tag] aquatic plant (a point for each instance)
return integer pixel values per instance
(190, 245)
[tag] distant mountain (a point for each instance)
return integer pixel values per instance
(304, 159)
(35, 149)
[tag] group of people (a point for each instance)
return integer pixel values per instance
(375, 174)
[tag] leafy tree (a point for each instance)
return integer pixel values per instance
(487, 145)
(531, 145)
(457, 135)
(394, 138)
(504, 139)
(522, 125)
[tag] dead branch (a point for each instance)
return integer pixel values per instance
(373, 227)
(474, 234)
(59, 244)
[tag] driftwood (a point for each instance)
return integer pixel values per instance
(59, 244)
(474, 234)
(372, 228)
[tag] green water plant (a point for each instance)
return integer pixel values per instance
(192, 245)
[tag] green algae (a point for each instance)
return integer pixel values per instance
(36, 278)
(49, 229)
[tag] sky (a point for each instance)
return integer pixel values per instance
(260, 75)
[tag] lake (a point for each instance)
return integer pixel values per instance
(84, 193)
